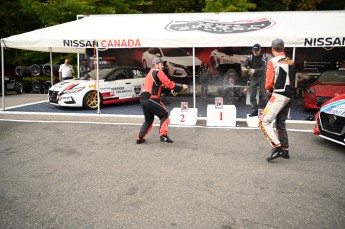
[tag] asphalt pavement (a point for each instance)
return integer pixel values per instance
(86, 171)
(93, 175)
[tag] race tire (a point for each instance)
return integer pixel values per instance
(46, 87)
(46, 70)
(36, 86)
(90, 100)
(19, 88)
(36, 69)
(23, 71)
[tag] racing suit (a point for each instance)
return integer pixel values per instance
(151, 103)
(258, 63)
(279, 79)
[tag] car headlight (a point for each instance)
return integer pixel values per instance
(73, 90)
(311, 91)
(176, 65)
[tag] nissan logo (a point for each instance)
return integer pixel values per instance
(332, 119)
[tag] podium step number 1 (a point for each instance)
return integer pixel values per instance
(221, 115)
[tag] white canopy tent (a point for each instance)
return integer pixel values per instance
(297, 29)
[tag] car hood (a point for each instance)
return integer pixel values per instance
(337, 107)
(329, 89)
(66, 85)
(182, 60)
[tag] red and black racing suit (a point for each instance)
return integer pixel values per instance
(151, 104)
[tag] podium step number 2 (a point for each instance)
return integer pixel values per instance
(179, 116)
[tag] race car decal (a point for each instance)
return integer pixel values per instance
(137, 89)
(336, 108)
(119, 91)
(70, 87)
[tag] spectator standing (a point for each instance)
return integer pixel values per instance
(151, 103)
(66, 71)
(255, 66)
(279, 82)
(84, 68)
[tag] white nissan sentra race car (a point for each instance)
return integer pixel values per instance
(119, 84)
(177, 61)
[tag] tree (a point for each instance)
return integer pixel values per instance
(300, 5)
(175, 6)
(228, 6)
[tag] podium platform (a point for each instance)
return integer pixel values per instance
(185, 117)
(254, 120)
(225, 116)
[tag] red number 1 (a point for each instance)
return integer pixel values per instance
(221, 116)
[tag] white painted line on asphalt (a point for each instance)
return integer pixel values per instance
(72, 114)
(120, 116)
(139, 124)
(26, 104)
(128, 116)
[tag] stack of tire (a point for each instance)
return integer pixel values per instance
(37, 78)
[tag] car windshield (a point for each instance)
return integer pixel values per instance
(172, 52)
(332, 76)
(102, 73)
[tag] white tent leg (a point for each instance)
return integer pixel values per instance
(194, 97)
(3, 77)
(97, 73)
(51, 67)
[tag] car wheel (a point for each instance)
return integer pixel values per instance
(19, 88)
(36, 86)
(144, 64)
(90, 100)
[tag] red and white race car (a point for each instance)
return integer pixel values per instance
(330, 120)
(119, 84)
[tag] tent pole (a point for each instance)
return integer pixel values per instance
(194, 99)
(293, 53)
(3, 77)
(97, 73)
(51, 66)
(78, 65)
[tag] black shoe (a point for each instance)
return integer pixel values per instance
(165, 138)
(286, 154)
(275, 153)
(139, 141)
(254, 113)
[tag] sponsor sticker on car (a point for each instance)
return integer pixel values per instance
(337, 108)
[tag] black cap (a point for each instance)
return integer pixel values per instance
(256, 47)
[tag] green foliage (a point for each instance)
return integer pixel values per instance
(228, 6)
(175, 6)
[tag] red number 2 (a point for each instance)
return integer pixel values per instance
(182, 118)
